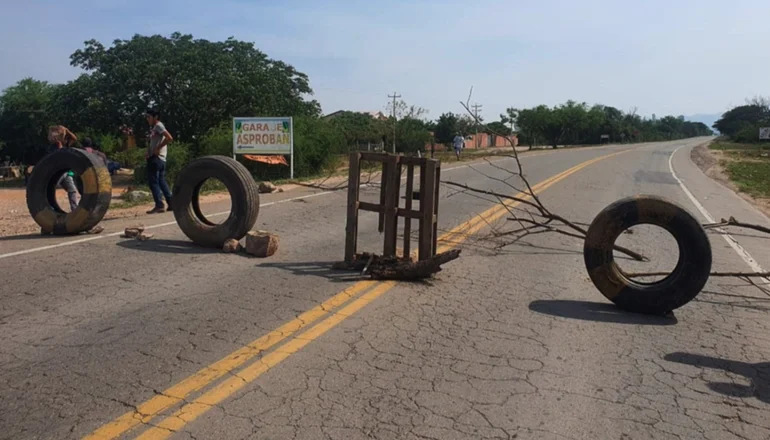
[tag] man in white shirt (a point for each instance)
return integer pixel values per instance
(459, 143)
(156, 162)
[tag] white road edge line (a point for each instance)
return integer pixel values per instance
(743, 253)
(161, 225)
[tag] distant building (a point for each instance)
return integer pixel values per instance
(482, 140)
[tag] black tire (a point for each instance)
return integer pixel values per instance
(660, 297)
(244, 197)
(94, 185)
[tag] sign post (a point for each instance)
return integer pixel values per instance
(264, 136)
(764, 133)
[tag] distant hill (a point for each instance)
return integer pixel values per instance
(707, 119)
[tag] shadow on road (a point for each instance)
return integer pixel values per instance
(758, 374)
(166, 246)
(316, 269)
(593, 311)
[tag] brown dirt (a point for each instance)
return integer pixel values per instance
(15, 218)
(710, 162)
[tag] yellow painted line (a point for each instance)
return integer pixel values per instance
(177, 393)
(199, 406)
(222, 391)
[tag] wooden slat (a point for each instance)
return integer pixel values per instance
(408, 208)
(371, 207)
(436, 199)
(392, 189)
(401, 212)
(383, 185)
(351, 227)
(427, 201)
(411, 160)
(375, 157)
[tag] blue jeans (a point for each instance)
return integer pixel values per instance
(156, 178)
(112, 167)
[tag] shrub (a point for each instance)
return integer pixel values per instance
(129, 158)
(317, 145)
(749, 133)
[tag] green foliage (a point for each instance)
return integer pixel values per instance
(317, 143)
(722, 144)
(196, 84)
(411, 135)
(129, 158)
(749, 133)
(499, 127)
(217, 141)
(742, 118)
(24, 119)
(446, 128)
(359, 127)
(751, 176)
(576, 123)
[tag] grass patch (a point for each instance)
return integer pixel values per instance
(724, 145)
(751, 176)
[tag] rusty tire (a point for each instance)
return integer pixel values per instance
(660, 297)
(93, 182)
(244, 197)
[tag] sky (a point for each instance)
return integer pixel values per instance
(678, 57)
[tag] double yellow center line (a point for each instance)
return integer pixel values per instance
(193, 409)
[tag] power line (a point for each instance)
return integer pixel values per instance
(394, 96)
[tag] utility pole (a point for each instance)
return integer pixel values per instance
(476, 108)
(394, 96)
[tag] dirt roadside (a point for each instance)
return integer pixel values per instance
(710, 162)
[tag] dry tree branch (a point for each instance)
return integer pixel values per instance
(733, 222)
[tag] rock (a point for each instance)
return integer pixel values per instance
(231, 246)
(261, 244)
(144, 236)
(133, 232)
(98, 229)
(137, 196)
(267, 187)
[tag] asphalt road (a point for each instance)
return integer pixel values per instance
(114, 338)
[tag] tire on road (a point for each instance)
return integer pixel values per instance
(660, 297)
(92, 180)
(244, 196)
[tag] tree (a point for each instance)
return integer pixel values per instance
(404, 110)
(446, 128)
(24, 119)
(411, 135)
(499, 127)
(742, 117)
(359, 127)
(196, 84)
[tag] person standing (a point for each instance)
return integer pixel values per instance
(60, 136)
(459, 143)
(156, 161)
